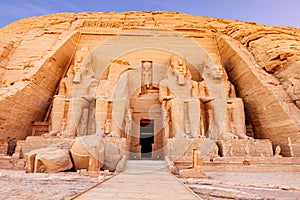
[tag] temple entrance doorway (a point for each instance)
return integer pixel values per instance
(146, 137)
(146, 140)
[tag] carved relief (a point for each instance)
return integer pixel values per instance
(107, 126)
(128, 121)
(146, 76)
(112, 24)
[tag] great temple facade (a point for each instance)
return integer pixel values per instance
(150, 85)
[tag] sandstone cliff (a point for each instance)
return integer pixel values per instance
(263, 62)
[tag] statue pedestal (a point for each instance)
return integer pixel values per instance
(245, 147)
(180, 151)
(115, 149)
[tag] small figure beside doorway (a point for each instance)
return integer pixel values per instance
(11, 146)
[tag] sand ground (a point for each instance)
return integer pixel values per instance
(247, 185)
(222, 185)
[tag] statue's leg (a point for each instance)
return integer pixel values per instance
(228, 131)
(238, 117)
(101, 114)
(194, 117)
(118, 116)
(228, 119)
(207, 116)
(74, 114)
(177, 115)
(58, 112)
(218, 118)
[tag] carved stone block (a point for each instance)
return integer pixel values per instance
(245, 147)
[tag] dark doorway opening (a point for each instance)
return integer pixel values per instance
(146, 137)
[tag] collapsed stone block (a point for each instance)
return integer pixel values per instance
(88, 152)
(54, 158)
(115, 149)
(39, 142)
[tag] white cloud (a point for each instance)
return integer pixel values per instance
(22, 9)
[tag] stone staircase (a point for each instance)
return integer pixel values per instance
(144, 166)
(142, 179)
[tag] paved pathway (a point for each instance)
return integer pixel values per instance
(142, 179)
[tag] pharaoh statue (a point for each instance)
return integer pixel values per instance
(61, 102)
(234, 125)
(178, 94)
(111, 100)
(77, 90)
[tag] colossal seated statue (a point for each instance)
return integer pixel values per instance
(178, 94)
(61, 101)
(111, 100)
(76, 93)
(83, 98)
(234, 124)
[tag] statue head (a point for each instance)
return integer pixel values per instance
(178, 65)
(216, 72)
(80, 56)
(147, 64)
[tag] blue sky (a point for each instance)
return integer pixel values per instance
(270, 12)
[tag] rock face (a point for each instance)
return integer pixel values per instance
(262, 62)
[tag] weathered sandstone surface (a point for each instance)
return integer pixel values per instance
(263, 63)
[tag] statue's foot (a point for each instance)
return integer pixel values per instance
(53, 133)
(45, 135)
(100, 133)
(66, 134)
(113, 134)
(50, 134)
(244, 136)
(228, 136)
(181, 135)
